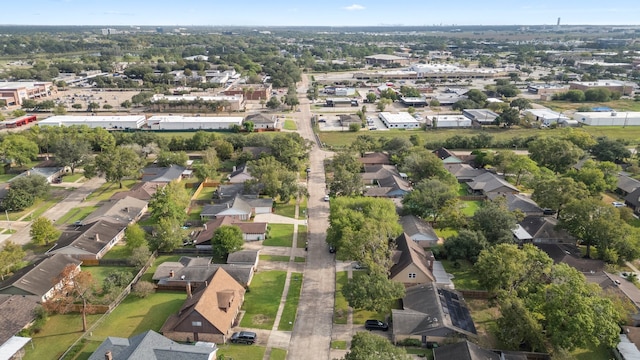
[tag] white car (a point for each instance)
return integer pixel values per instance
(326, 198)
(618, 204)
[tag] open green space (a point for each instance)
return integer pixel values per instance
(72, 178)
(290, 125)
(274, 257)
(278, 354)
(618, 105)
(484, 315)
(286, 209)
(6, 177)
(262, 301)
(469, 208)
(99, 273)
(206, 193)
(76, 214)
(465, 277)
(194, 214)
(241, 351)
(107, 190)
(280, 235)
(341, 307)
(119, 251)
(593, 353)
(302, 236)
(288, 317)
(56, 336)
(134, 316)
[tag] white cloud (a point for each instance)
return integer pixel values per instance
(354, 7)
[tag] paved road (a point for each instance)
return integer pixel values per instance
(311, 337)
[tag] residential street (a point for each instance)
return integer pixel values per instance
(311, 337)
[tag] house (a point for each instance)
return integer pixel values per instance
(257, 151)
(125, 211)
(389, 187)
(89, 241)
(419, 231)
(463, 172)
(432, 314)
(239, 175)
(251, 231)
(618, 286)
(480, 116)
(571, 255)
(198, 270)
(519, 202)
(208, 314)
(152, 346)
(544, 230)
(632, 200)
(241, 208)
(244, 258)
(447, 156)
(141, 191)
(411, 264)
(18, 312)
(347, 119)
(262, 121)
(375, 158)
(373, 173)
(490, 184)
(466, 350)
(38, 279)
(626, 184)
(165, 175)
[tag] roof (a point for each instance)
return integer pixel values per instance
(243, 257)
(375, 158)
(384, 57)
(39, 277)
(141, 190)
(544, 228)
(410, 253)
(376, 172)
(151, 346)
(17, 312)
(464, 350)
(480, 115)
(260, 118)
(627, 184)
(256, 151)
(444, 153)
(217, 303)
(200, 270)
(12, 346)
(463, 172)
(122, 210)
(627, 349)
(521, 234)
(246, 227)
(428, 309)
(519, 202)
(489, 182)
(413, 225)
(162, 174)
(90, 238)
(567, 254)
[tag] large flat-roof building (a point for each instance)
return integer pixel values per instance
(384, 59)
(622, 87)
(232, 102)
(450, 121)
(401, 120)
(14, 92)
(194, 122)
(612, 118)
(546, 89)
(547, 116)
(482, 116)
(105, 122)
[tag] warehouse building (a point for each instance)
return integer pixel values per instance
(450, 121)
(105, 122)
(621, 87)
(612, 118)
(401, 120)
(547, 116)
(481, 116)
(194, 122)
(384, 59)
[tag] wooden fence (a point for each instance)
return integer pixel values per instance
(475, 294)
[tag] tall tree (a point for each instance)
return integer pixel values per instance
(11, 256)
(226, 239)
(43, 231)
(135, 236)
(118, 163)
(430, 198)
(467, 244)
(555, 192)
(346, 179)
(554, 153)
(71, 150)
(18, 149)
(73, 286)
(167, 235)
(373, 292)
(422, 164)
(367, 346)
(495, 222)
(170, 202)
(209, 166)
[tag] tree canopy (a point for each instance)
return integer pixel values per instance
(226, 239)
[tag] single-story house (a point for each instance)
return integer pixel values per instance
(18, 312)
(208, 314)
(632, 200)
(544, 229)
(419, 231)
(432, 314)
(89, 241)
(626, 184)
(198, 271)
(389, 187)
(519, 202)
(239, 175)
(38, 279)
(411, 263)
(373, 173)
(464, 172)
(152, 346)
(466, 350)
(262, 121)
(375, 158)
(481, 116)
(490, 184)
(251, 231)
(158, 174)
(243, 208)
(244, 258)
(447, 156)
(127, 210)
(571, 255)
(142, 191)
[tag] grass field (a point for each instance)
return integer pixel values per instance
(299, 259)
(274, 258)
(465, 277)
(618, 105)
(75, 214)
(278, 354)
(206, 193)
(288, 209)
(99, 273)
(341, 307)
(35, 210)
(339, 344)
(72, 178)
(56, 336)
(280, 235)
(241, 351)
(470, 207)
(288, 317)
(484, 317)
(290, 125)
(302, 236)
(262, 301)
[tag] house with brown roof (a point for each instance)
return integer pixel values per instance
(411, 263)
(208, 314)
(39, 278)
(125, 211)
(89, 241)
(251, 231)
(142, 191)
(375, 158)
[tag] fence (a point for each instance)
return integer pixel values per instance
(114, 303)
(475, 294)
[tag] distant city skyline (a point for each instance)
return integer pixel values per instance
(318, 13)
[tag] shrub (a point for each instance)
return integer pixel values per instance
(142, 289)
(410, 342)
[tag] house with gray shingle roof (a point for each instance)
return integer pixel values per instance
(152, 346)
(123, 211)
(489, 183)
(89, 241)
(243, 207)
(262, 121)
(198, 271)
(251, 231)
(239, 175)
(419, 231)
(626, 184)
(519, 202)
(162, 174)
(464, 172)
(18, 312)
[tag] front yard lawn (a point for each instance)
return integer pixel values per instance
(290, 125)
(274, 258)
(278, 354)
(302, 236)
(75, 214)
(37, 209)
(72, 178)
(339, 344)
(262, 300)
(341, 309)
(280, 235)
(241, 351)
(286, 209)
(465, 277)
(288, 317)
(107, 190)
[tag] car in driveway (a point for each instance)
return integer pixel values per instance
(244, 337)
(376, 325)
(326, 198)
(618, 204)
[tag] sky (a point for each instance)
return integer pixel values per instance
(319, 12)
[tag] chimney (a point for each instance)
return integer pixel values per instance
(108, 355)
(189, 295)
(171, 274)
(234, 168)
(205, 227)
(97, 237)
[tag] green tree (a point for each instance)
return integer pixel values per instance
(373, 292)
(371, 97)
(556, 192)
(24, 191)
(594, 178)
(248, 126)
(11, 257)
(170, 202)
(383, 103)
(554, 153)
(528, 332)
(346, 180)
(18, 112)
(43, 231)
(477, 96)
(209, 166)
(610, 150)
(291, 150)
(140, 256)
(367, 346)
(511, 164)
(118, 163)
(509, 117)
(273, 103)
(521, 104)
(226, 240)
(135, 236)
(495, 222)
(18, 149)
(430, 198)
(467, 244)
(421, 164)
(71, 150)
(168, 158)
(73, 287)
(167, 235)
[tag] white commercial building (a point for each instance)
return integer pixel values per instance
(547, 116)
(450, 121)
(194, 122)
(612, 118)
(401, 120)
(105, 122)
(234, 101)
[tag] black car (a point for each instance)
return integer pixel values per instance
(332, 249)
(244, 337)
(376, 325)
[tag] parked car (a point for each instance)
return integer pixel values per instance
(327, 198)
(358, 266)
(618, 204)
(376, 325)
(244, 337)
(332, 249)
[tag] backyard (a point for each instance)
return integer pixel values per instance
(262, 300)
(465, 277)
